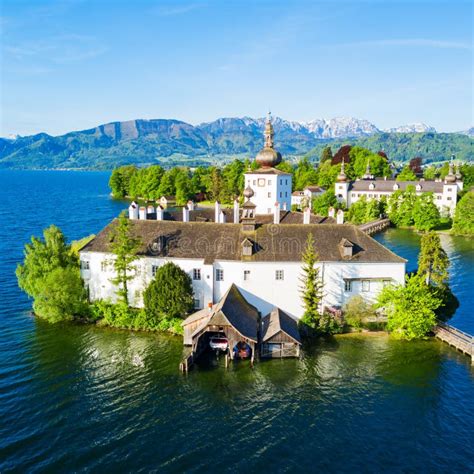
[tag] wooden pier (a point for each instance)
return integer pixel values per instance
(460, 340)
(375, 226)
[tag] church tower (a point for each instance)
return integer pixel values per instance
(269, 185)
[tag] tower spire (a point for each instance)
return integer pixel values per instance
(268, 131)
(341, 177)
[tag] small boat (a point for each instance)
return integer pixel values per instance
(219, 343)
(242, 350)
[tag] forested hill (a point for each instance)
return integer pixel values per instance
(171, 142)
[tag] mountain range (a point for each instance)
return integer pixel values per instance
(172, 142)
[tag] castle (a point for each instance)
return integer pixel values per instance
(255, 248)
(444, 191)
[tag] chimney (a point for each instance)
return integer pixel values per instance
(150, 209)
(284, 206)
(236, 211)
(191, 205)
(217, 211)
(142, 213)
(159, 213)
(276, 213)
(306, 215)
(222, 218)
(209, 306)
(340, 217)
(331, 212)
(133, 211)
(185, 214)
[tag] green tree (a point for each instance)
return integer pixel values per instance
(326, 154)
(357, 211)
(124, 246)
(426, 215)
(406, 174)
(61, 295)
(433, 262)
(327, 174)
(169, 295)
(305, 174)
(405, 211)
(311, 287)
(215, 184)
(358, 163)
(50, 275)
(233, 180)
(167, 183)
(410, 309)
(464, 216)
(199, 179)
(119, 181)
(322, 203)
(430, 172)
(184, 189)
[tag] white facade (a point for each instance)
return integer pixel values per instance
(444, 194)
(269, 188)
(264, 284)
(304, 198)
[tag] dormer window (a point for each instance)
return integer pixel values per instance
(346, 248)
(247, 248)
(396, 187)
(418, 187)
(371, 186)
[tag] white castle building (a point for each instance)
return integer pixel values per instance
(444, 191)
(257, 247)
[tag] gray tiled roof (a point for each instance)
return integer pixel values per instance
(212, 241)
(276, 321)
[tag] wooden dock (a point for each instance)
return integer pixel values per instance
(375, 226)
(460, 340)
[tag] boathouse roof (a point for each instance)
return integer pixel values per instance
(232, 309)
(210, 241)
(278, 321)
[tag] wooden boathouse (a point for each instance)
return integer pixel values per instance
(232, 316)
(279, 335)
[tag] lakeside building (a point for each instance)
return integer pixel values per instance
(302, 199)
(257, 247)
(444, 191)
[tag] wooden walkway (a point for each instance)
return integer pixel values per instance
(454, 337)
(375, 226)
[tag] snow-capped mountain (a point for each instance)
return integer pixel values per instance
(340, 127)
(412, 128)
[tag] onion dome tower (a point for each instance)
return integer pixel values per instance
(341, 177)
(367, 174)
(268, 157)
(450, 177)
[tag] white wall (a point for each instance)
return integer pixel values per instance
(268, 189)
(261, 289)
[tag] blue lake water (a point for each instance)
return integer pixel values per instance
(80, 398)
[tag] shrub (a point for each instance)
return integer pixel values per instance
(358, 312)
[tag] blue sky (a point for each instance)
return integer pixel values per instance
(72, 64)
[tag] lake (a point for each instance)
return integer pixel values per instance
(80, 398)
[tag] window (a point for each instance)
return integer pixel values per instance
(254, 182)
(196, 273)
(365, 285)
(449, 198)
(353, 195)
(85, 265)
(261, 181)
(286, 193)
(246, 275)
(219, 274)
(279, 275)
(438, 198)
(449, 190)
(340, 187)
(103, 266)
(269, 195)
(281, 181)
(280, 193)
(197, 303)
(347, 285)
(269, 181)
(154, 269)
